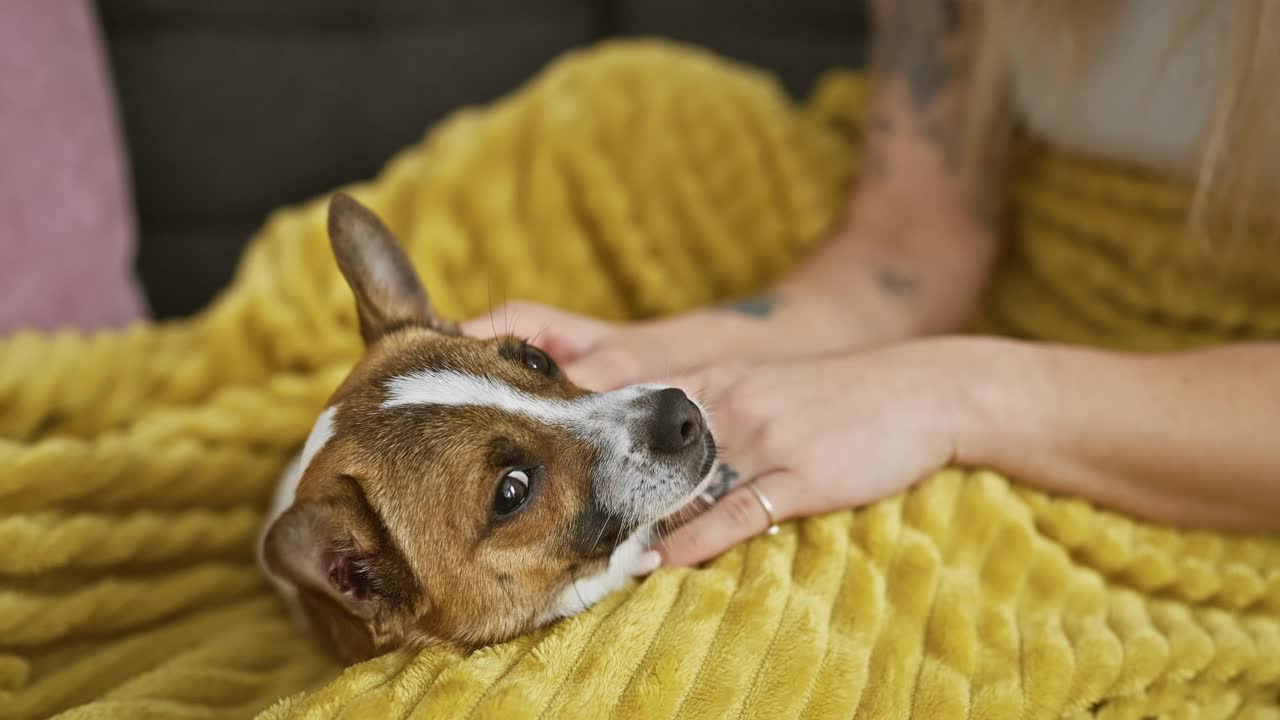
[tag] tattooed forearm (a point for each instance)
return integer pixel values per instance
(944, 136)
(913, 42)
(875, 160)
(916, 218)
(759, 306)
(921, 47)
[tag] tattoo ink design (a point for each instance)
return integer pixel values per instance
(726, 478)
(914, 44)
(896, 283)
(917, 45)
(759, 306)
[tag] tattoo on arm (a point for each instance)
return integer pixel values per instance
(920, 46)
(759, 306)
(896, 283)
(920, 64)
(917, 33)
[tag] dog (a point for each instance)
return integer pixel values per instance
(461, 492)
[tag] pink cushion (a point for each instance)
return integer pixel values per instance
(66, 222)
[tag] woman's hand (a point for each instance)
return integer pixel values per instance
(599, 355)
(1186, 439)
(828, 434)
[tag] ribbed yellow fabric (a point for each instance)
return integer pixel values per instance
(1101, 255)
(630, 180)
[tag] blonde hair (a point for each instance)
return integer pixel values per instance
(1235, 186)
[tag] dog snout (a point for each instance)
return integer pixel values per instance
(676, 423)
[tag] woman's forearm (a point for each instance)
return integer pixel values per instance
(917, 244)
(885, 278)
(1190, 439)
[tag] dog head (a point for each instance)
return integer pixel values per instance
(454, 487)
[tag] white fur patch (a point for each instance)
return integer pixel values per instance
(450, 387)
(630, 481)
(608, 421)
(632, 558)
(287, 488)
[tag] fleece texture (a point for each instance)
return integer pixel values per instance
(630, 180)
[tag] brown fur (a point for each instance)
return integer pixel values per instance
(391, 539)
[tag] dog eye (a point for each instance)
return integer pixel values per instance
(538, 361)
(512, 492)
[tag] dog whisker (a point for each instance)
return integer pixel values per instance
(657, 530)
(488, 294)
(573, 583)
(534, 340)
(507, 591)
(505, 297)
(599, 537)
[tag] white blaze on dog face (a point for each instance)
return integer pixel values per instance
(426, 440)
(457, 488)
(636, 479)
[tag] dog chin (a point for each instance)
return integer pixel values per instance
(697, 501)
(634, 556)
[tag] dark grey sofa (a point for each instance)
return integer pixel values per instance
(234, 107)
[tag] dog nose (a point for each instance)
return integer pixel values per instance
(676, 423)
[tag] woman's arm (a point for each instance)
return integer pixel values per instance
(917, 246)
(1190, 438)
(911, 258)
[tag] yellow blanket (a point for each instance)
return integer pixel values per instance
(631, 180)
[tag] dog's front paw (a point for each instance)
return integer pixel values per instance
(633, 558)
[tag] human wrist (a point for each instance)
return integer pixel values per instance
(996, 391)
(878, 282)
(788, 320)
(923, 260)
(1025, 416)
(839, 299)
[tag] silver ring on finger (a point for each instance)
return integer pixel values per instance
(768, 508)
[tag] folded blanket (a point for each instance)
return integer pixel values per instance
(627, 181)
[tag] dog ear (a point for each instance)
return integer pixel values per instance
(389, 295)
(339, 548)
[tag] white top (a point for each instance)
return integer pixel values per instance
(1139, 99)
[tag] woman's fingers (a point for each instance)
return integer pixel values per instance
(710, 387)
(738, 516)
(634, 355)
(609, 365)
(730, 399)
(757, 490)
